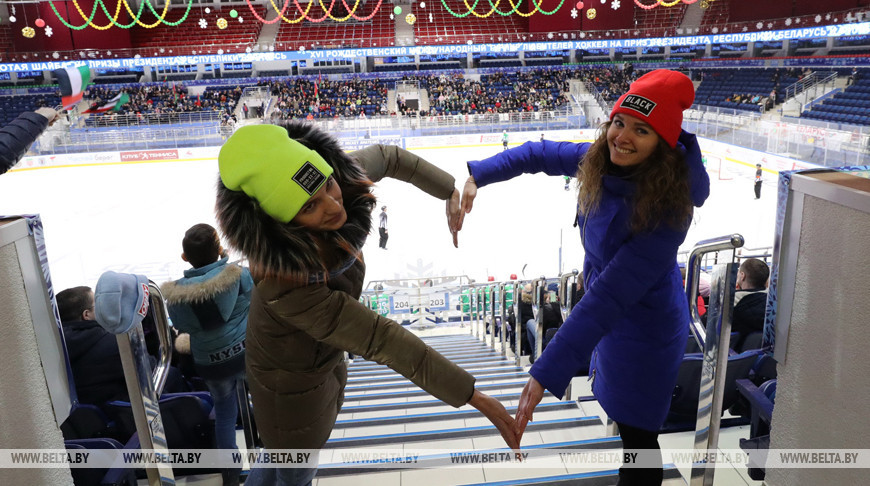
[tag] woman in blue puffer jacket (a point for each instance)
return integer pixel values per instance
(638, 184)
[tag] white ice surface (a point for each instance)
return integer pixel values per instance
(131, 218)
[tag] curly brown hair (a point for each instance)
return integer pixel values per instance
(662, 186)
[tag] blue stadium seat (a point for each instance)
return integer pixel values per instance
(684, 402)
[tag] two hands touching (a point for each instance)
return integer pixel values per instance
(458, 207)
(511, 429)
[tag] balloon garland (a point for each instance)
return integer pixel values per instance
(113, 20)
(304, 14)
(494, 9)
(663, 3)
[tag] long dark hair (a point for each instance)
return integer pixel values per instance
(662, 185)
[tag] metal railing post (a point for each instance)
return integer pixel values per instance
(713, 372)
(518, 335)
(503, 321)
(539, 287)
(492, 306)
(566, 298)
(693, 273)
(714, 340)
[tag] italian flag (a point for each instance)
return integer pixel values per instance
(113, 104)
(72, 83)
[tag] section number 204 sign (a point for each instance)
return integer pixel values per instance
(400, 304)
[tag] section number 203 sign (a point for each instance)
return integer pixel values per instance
(438, 302)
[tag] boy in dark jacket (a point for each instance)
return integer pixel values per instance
(211, 304)
(93, 352)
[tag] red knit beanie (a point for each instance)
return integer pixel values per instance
(659, 98)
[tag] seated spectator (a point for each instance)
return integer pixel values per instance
(93, 351)
(17, 136)
(552, 316)
(703, 291)
(211, 304)
(552, 311)
(527, 317)
(578, 290)
(750, 300)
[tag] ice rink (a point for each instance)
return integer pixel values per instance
(131, 218)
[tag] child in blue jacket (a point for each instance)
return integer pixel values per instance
(639, 182)
(211, 304)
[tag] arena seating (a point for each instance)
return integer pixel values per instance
(715, 17)
(719, 86)
(446, 28)
(349, 98)
(610, 83)
(501, 92)
(5, 41)
(684, 404)
(87, 476)
(378, 31)
(761, 401)
(660, 22)
(12, 106)
(852, 105)
(188, 37)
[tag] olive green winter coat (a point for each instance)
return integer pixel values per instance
(298, 332)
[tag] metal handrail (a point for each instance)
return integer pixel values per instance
(714, 370)
(566, 299)
(161, 322)
(693, 272)
(492, 290)
(503, 321)
(518, 341)
(539, 286)
(814, 79)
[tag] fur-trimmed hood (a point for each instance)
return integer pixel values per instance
(195, 290)
(220, 282)
(287, 250)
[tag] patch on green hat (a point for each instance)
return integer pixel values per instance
(268, 165)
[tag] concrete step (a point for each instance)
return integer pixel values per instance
(401, 382)
(457, 433)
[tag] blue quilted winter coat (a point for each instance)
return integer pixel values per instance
(635, 313)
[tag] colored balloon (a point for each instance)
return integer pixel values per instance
(39, 23)
(397, 10)
(233, 13)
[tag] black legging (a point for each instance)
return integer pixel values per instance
(645, 445)
(384, 237)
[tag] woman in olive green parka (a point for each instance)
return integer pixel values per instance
(299, 208)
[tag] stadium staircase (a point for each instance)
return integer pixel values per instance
(404, 30)
(587, 102)
(424, 99)
(384, 411)
(692, 17)
(269, 32)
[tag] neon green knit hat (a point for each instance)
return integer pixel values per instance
(268, 165)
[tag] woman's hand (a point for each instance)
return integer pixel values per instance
(496, 413)
(532, 395)
(454, 216)
(469, 192)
